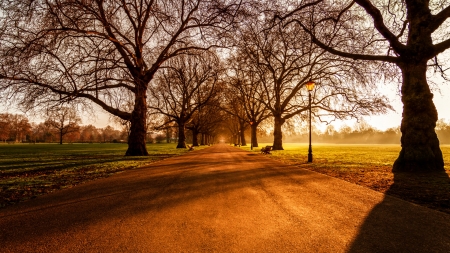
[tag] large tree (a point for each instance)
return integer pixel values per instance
(409, 34)
(101, 51)
(285, 59)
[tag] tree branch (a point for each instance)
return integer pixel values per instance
(379, 25)
(347, 55)
(438, 19)
(441, 47)
(121, 114)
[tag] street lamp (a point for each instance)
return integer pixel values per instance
(310, 86)
(251, 135)
(239, 138)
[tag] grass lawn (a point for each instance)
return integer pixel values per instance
(27, 171)
(370, 166)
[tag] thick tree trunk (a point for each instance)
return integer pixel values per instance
(138, 130)
(181, 135)
(254, 140)
(420, 145)
(60, 137)
(195, 137)
(277, 134)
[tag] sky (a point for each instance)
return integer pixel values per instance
(393, 118)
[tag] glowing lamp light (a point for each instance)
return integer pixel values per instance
(310, 85)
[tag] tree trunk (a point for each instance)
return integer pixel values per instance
(168, 132)
(195, 137)
(420, 145)
(277, 134)
(136, 139)
(181, 135)
(203, 140)
(242, 136)
(254, 140)
(60, 137)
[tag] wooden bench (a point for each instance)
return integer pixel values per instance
(266, 150)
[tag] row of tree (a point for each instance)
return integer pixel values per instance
(184, 63)
(17, 128)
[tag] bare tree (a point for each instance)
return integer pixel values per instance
(185, 84)
(409, 34)
(234, 105)
(64, 120)
(100, 51)
(285, 59)
(246, 90)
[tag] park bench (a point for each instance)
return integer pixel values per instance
(266, 150)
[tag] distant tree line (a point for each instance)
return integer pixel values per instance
(360, 133)
(351, 135)
(17, 128)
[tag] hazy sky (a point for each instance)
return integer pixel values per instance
(393, 118)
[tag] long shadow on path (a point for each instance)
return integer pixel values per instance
(393, 226)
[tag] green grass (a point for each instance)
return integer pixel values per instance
(21, 158)
(343, 155)
(371, 166)
(28, 170)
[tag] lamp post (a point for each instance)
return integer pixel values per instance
(239, 138)
(251, 135)
(310, 86)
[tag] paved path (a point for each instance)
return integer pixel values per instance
(221, 199)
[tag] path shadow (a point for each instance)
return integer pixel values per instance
(388, 229)
(159, 187)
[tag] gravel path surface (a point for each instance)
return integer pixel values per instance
(221, 199)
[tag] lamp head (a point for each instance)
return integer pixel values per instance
(310, 85)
